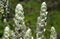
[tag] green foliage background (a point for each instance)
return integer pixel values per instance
(32, 11)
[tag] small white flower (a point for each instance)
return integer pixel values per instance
(7, 29)
(18, 8)
(43, 7)
(5, 20)
(28, 34)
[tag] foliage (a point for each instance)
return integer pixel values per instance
(32, 10)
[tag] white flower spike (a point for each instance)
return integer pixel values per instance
(19, 22)
(41, 21)
(53, 34)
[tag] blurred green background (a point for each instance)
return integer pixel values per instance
(32, 11)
